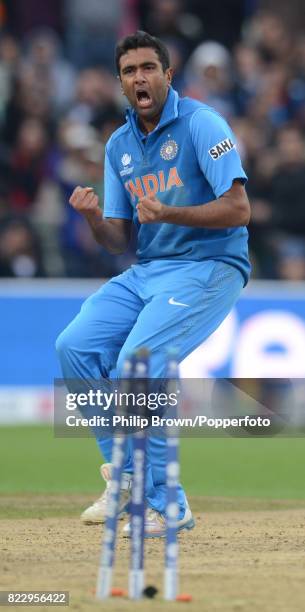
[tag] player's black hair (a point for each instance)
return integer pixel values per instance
(139, 40)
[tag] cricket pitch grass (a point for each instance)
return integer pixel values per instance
(243, 555)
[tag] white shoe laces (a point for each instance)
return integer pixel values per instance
(153, 516)
(104, 499)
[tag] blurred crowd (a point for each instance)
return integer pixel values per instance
(60, 101)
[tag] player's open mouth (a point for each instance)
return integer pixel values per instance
(143, 98)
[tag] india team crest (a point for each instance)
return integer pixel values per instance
(169, 150)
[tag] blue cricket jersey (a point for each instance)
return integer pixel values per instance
(189, 159)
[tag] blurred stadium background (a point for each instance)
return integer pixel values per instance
(59, 102)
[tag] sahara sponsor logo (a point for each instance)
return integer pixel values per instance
(223, 147)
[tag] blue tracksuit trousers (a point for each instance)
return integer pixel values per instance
(159, 304)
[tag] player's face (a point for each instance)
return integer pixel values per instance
(144, 82)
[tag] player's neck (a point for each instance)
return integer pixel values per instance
(148, 125)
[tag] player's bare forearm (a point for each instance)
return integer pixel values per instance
(112, 234)
(230, 210)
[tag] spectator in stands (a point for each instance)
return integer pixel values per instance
(9, 58)
(269, 108)
(251, 141)
(28, 165)
(269, 33)
(222, 20)
(95, 92)
(209, 77)
(177, 59)
(20, 249)
(23, 16)
(288, 183)
(81, 163)
(249, 74)
(296, 86)
(291, 260)
(92, 28)
(170, 19)
(278, 210)
(106, 120)
(50, 69)
(29, 99)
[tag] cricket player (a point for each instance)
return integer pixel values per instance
(174, 172)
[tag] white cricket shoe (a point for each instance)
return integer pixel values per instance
(96, 513)
(155, 524)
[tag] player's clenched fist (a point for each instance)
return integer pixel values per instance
(85, 201)
(150, 210)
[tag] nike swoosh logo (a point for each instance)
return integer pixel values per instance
(173, 302)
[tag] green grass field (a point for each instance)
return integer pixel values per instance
(33, 461)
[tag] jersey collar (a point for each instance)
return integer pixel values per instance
(169, 113)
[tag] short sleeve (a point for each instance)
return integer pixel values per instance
(215, 146)
(116, 203)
